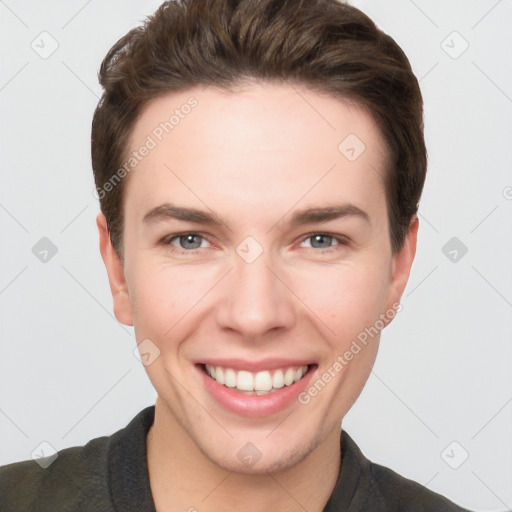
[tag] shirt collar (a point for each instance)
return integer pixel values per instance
(128, 472)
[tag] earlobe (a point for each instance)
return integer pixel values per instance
(115, 272)
(402, 263)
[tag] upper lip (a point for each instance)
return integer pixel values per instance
(255, 366)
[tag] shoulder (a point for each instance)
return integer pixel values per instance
(99, 476)
(407, 495)
(378, 488)
(76, 476)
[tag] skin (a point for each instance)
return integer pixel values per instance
(253, 157)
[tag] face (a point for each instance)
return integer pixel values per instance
(256, 248)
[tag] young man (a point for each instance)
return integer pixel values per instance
(282, 140)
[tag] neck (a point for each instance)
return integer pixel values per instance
(183, 478)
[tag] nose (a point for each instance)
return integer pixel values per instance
(256, 298)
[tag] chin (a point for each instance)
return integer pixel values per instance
(249, 460)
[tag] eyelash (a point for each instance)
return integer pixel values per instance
(167, 241)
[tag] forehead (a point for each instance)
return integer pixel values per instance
(263, 145)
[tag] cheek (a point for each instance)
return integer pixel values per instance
(341, 299)
(156, 302)
(346, 298)
(164, 295)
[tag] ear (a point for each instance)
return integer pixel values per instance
(401, 266)
(115, 271)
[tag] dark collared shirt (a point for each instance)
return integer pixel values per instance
(110, 474)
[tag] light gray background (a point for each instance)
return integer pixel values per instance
(68, 373)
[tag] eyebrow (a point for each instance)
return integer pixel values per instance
(168, 211)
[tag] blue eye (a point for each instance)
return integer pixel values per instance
(191, 242)
(186, 242)
(319, 241)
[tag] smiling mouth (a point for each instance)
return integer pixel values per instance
(256, 383)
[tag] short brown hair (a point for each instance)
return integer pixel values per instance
(326, 45)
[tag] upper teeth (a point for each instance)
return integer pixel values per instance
(261, 382)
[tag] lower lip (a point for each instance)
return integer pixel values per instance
(255, 405)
